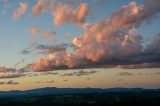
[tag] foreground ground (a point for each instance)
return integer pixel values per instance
(145, 98)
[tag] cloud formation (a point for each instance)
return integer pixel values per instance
(49, 49)
(45, 49)
(80, 73)
(34, 31)
(62, 12)
(141, 65)
(107, 43)
(11, 82)
(4, 70)
(49, 73)
(25, 51)
(125, 74)
(11, 75)
(47, 34)
(2, 83)
(20, 11)
(66, 14)
(42, 6)
(6, 73)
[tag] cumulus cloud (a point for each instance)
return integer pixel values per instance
(110, 42)
(20, 11)
(37, 8)
(48, 35)
(42, 6)
(149, 58)
(153, 47)
(34, 31)
(66, 14)
(63, 12)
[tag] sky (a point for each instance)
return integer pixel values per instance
(79, 43)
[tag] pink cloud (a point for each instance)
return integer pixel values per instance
(43, 6)
(3, 69)
(63, 12)
(20, 11)
(109, 42)
(34, 31)
(37, 9)
(66, 14)
(47, 34)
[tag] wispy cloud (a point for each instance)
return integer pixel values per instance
(6, 73)
(45, 82)
(2, 83)
(49, 73)
(125, 74)
(11, 75)
(20, 11)
(25, 51)
(47, 34)
(11, 82)
(41, 6)
(34, 31)
(46, 49)
(80, 73)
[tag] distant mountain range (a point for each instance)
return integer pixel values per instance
(60, 91)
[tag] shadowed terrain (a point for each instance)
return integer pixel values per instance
(81, 97)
